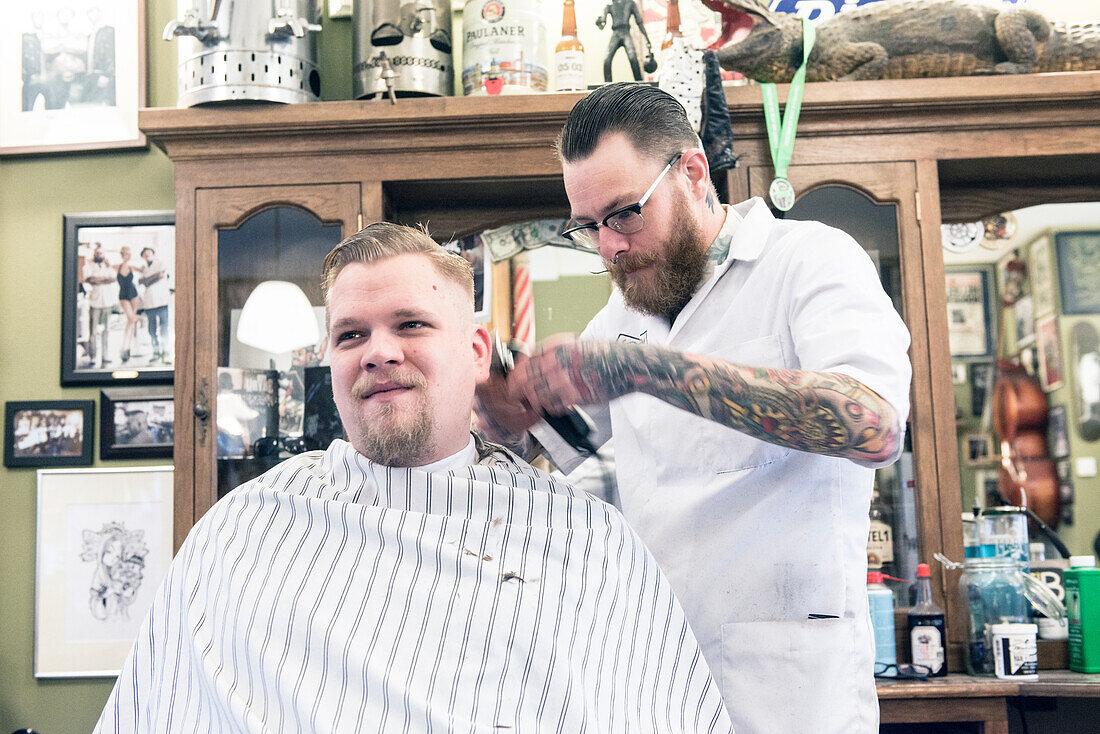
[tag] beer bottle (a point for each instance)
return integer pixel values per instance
(569, 53)
(672, 24)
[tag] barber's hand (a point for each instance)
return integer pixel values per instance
(561, 372)
(500, 417)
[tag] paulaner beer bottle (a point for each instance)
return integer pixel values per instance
(569, 54)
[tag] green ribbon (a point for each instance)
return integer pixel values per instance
(781, 141)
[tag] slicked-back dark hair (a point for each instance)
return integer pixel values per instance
(650, 118)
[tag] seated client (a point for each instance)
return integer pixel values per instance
(415, 577)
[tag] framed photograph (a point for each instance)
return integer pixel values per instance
(74, 76)
(136, 422)
(1051, 371)
(958, 373)
(1078, 256)
(118, 298)
(247, 410)
(103, 545)
(979, 449)
(981, 386)
(1058, 431)
(48, 432)
(969, 313)
(1024, 313)
(1042, 277)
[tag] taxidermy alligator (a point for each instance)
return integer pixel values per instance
(900, 39)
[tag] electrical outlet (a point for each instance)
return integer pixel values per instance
(1086, 466)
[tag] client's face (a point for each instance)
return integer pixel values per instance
(405, 358)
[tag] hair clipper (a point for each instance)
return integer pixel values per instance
(574, 427)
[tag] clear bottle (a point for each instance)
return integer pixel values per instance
(880, 601)
(926, 626)
(569, 53)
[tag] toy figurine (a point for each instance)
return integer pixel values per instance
(621, 11)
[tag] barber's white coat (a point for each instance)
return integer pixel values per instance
(755, 537)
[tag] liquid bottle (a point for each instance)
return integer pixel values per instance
(672, 24)
(926, 626)
(880, 600)
(1083, 608)
(569, 53)
(880, 537)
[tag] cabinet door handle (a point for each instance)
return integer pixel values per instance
(202, 410)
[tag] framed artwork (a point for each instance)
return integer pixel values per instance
(118, 298)
(981, 386)
(958, 373)
(103, 545)
(247, 410)
(979, 449)
(474, 250)
(969, 313)
(1051, 371)
(1078, 255)
(1024, 313)
(136, 422)
(75, 76)
(1058, 431)
(48, 433)
(1042, 277)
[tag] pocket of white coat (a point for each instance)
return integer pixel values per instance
(788, 677)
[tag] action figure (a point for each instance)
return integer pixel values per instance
(621, 11)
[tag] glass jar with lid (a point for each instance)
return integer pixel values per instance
(995, 592)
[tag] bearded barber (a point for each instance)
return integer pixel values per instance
(753, 374)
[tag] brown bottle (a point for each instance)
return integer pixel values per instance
(569, 53)
(672, 24)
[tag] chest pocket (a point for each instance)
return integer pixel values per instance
(726, 450)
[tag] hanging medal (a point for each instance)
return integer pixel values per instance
(781, 134)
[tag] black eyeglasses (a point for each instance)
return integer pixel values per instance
(626, 220)
(902, 671)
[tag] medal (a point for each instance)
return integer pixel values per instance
(782, 194)
(781, 133)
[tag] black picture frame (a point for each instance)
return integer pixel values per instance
(1078, 258)
(46, 433)
(86, 359)
(136, 422)
(971, 325)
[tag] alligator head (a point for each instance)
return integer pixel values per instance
(771, 49)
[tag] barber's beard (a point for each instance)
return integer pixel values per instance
(396, 435)
(676, 269)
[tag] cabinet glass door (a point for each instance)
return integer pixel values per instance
(259, 329)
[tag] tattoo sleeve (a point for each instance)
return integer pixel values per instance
(820, 412)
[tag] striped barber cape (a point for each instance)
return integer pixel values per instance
(332, 594)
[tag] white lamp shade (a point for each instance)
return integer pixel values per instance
(277, 317)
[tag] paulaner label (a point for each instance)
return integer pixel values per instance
(504, 47)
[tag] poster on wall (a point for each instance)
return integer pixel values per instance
(1042, 277)
(969, 317)
(73, 75)
(1079, 271)
(1051, 371)
(104, 542)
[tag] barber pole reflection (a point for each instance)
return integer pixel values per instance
(523, 318)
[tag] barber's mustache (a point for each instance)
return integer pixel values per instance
(626, 263)
(399, 378)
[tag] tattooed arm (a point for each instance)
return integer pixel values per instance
(821, 412)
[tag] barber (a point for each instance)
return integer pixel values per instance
(753, 374)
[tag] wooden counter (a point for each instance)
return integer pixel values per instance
(963, 698)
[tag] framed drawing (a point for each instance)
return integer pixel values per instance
(48, 433)
(103, 545)
(969, 313)
(979, 449)
(118, 298)
(1042, 277)
(1078, 255)
(1024, 313)
(1051, 371)
(74, 76)
(1058, 431)
(136, 423)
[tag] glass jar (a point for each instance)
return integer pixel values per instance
(994, 590)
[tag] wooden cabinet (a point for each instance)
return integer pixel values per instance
(920, 148)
